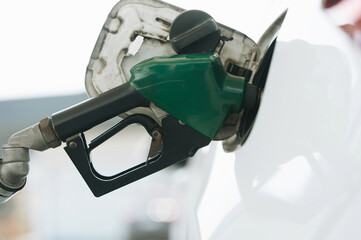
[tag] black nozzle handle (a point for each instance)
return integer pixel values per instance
(85, 115)
(179, 142)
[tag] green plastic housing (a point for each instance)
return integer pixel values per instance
(194, 88)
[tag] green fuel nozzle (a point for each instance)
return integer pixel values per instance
(194, 88)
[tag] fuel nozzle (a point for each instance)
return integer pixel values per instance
(195, 92)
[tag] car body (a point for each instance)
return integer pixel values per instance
(298, 174)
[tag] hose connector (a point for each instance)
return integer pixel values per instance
(14, 165)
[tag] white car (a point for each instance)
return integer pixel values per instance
(298, 174)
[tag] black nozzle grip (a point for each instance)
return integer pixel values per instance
(85, 115)
(179, 142)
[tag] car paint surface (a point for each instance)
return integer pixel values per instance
(298, 176)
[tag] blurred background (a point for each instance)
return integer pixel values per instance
(45, 47)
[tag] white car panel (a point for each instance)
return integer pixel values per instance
(298, 174)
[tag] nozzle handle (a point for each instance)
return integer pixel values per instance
(85, 115)
(179, 142)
